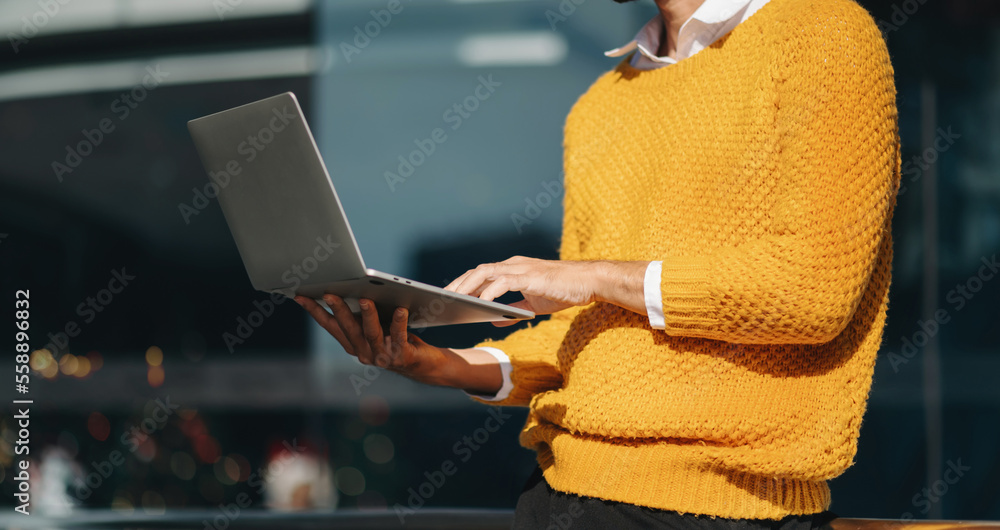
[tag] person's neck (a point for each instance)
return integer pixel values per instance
(674, 13)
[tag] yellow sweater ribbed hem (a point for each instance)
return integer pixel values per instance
(670, 477)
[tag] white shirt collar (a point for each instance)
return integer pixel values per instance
(711, 20)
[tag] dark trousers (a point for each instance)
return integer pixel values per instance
(541, 507)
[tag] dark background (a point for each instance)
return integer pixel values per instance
(288, 381)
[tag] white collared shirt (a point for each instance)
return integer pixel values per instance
(712, 20)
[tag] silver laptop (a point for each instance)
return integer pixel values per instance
(290, 227)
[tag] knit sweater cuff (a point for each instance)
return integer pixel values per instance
(688, 308)
(529, 379)
(528, 375)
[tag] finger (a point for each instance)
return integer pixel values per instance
(488, 282)
(483, 275)
(326, 321)
(475, 279)
(398, 332)
(480, 288)
(348, 323)
(458, 281)
(320, 315)
(373, 333)
(500, 286)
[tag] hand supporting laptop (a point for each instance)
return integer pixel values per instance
(547, 286)
(403, 352)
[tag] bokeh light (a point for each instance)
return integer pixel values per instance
(96, 361)
(193, 427)
(350, 481)
(153, 503)
(374, 410)
(154, 356)
(155, 376)
(122, 503)
(232, 468)
(182, 465)
(146, 450)
(98, 426)
(207, 449)
(51, 369)
(379, 448)
(222, 474)
(82, 367)
(68, 364)
(40, 359)
(244, 466)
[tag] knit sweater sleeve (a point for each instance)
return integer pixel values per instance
(837, 174)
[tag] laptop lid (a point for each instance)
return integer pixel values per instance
(276, 195)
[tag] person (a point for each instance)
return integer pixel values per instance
(723, 278)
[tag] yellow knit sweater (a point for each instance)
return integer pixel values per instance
(763, 172)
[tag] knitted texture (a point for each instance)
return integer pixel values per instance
(763, 172)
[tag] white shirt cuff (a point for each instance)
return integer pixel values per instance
(505, 369)
(653, 295)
